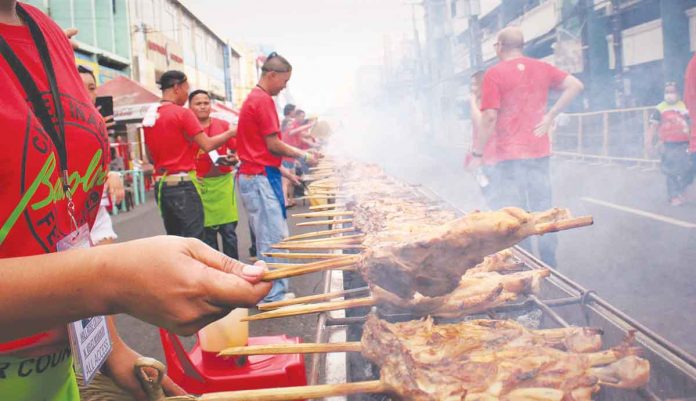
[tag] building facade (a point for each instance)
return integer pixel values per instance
(168, 36)
(104, 35)
(245, 71)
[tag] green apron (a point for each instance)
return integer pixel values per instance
(48, 378)
(218, 198)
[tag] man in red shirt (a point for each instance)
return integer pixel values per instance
(216, 179)
(514, 99)
(173, 136)
(260, 149)
(55, 163)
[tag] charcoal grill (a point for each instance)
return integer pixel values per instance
(561, 303)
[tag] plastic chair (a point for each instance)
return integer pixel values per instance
(200, 372)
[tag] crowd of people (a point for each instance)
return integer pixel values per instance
(56, 175)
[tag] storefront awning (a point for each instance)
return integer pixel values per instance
(131, 100)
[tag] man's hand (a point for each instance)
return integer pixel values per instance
(314, 157)
(474, 162)
(108, 120)
(114, 187)
(544, 126)
(119, 367)
(290, 176)
(180, 284)
(70, 33)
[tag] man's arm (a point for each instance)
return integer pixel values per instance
(280, 148)
(489, 118)
(570, 88)
(208, 143)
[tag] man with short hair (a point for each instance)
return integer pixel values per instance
(216, 180)
(260, 149)
(173, 136)
(514, 98)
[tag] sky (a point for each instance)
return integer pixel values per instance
(326, 41)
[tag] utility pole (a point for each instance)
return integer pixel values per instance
(617, 39)
(472, 11)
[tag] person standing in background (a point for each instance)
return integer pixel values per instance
(216, 179)
(288, 162)
(514, 101)
(690, 100)
(102, 231)
(173, 137)
(669, 127)
(260, 149)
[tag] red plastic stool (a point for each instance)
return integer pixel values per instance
(200, 372)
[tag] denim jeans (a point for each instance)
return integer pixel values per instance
(229, 238)
(266, 220)
(525, 184)
(181, 209)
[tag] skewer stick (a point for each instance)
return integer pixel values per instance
(564, 224)
(309, 247)
(312, 267)
(298, 255)
(311, 298)
(352, 238)
(324, 222)
(319, 234)
(298, 393)
(277, 349)
(308, 197)
(334, 213)
(284, 265)
(327, 206)
(296, 310)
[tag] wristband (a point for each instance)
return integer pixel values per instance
(476, 154)
(307, 157)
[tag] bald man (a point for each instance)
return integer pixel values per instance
(260, 149)
(514, 101)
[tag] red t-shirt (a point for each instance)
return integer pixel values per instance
(204, 163)
(33, 209)
(519, 90)
(257, 119)
(294, 140)
(690, 99)
(170, 140)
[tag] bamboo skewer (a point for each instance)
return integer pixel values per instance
(298, 255)
(332, 213)
(567, 224)
(319, 197)
(296, 310)
(298, 393)
(319, 234)
(274, 265)
(352, 238)
(278, 349)
(324, 222)
(311, 298)
(321, 265)
(327, 206)
(309, 247)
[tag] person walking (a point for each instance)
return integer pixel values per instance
(260, 149)
(216, 180)
(514, 97)
(173, 136)
(669, 127)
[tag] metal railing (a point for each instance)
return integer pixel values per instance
(606, 136)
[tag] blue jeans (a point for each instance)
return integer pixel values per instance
(525, 184)
(266, 221)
